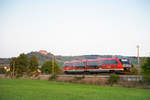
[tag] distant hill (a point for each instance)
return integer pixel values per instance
(4, 61)
(61, 59)
(41, 57)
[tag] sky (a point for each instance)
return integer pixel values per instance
(75, 27)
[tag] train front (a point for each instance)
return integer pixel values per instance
(125, 63)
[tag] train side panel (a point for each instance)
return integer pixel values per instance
(94, 66)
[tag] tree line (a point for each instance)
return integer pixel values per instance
(22, 65)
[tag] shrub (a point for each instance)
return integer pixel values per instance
(47, 68)
(113, 79)
(133, 70)
(2, 70)
(30, 74)
(146, 69)
(79, 77)
(52, 77)
(8, 73)
(19, 75)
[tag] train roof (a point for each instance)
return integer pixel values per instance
(76, 61)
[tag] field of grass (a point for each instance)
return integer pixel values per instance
(23, 89)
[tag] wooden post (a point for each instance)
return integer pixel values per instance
(53, 64)
(14, 69)
(138, 57)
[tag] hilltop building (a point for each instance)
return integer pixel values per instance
(43, 52)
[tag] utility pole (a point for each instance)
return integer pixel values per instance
(53, 64)
(13, 69)
(138, 57)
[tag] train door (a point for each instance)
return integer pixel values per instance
(111, 64)
(80, 66)
(92, 66)
(107, 65)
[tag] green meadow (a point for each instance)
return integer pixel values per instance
(24, 89)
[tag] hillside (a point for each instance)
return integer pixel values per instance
(4, 61)
(41, 57)
(61, 59)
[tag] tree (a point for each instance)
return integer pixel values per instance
(33, 63)
(146, 69)
(13, 64)
(19, 64)
(23, 62)
(47, 67)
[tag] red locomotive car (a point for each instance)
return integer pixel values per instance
(93, 66)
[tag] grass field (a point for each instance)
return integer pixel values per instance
(23, 89)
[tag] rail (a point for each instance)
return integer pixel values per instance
(122, 77)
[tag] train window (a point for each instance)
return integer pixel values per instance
(67, 64)
(110, 62)
(80, 65)
(93, 64)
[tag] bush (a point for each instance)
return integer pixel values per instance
(113, 79)
(79, 77)
(133, 70)
(30, 74)
(19, 75)
(52, 77)
(146, 69)
(2, 70)
(47, 68)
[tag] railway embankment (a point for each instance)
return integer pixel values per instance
(130, 81)
(122, 77)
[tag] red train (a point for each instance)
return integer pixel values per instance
(94, 66)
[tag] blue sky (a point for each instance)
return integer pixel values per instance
(76, 27)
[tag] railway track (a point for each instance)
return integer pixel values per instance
(101, 76)
(122, 77)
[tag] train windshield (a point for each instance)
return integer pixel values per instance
(67, 64)
(124, 61)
